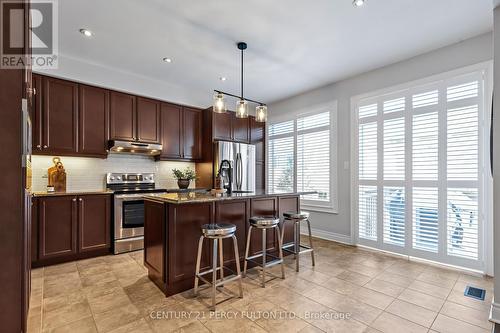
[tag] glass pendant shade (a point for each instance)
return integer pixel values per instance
(219, 103)
(242, 109)
(261, 114)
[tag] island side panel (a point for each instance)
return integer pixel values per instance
(263, 207)
(235, 212)
(155, 242)
(184, 231)
(288, 204)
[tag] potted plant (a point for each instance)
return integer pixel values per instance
(184, 177)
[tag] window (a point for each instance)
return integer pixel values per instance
(301, 158)
(419, 172)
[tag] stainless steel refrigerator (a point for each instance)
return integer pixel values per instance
(242, 159)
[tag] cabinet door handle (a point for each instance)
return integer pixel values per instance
(74, 199)
(44, 146)
(38, 146)
(80, 199)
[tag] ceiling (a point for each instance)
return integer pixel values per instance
(293, 45)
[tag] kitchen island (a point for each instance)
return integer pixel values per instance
(172, 230)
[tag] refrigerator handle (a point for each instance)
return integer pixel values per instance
(239, 171)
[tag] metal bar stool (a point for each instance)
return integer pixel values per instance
(264, 224)
(217, 232)
(298, 248)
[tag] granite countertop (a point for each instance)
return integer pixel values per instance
(179, 198)
(55, 194)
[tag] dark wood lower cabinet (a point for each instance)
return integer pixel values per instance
(94, 223)
(154, 229)
(172, 232)
(57, 219)
(288, 204)
(235, 212)
(263, 207)
(184, 231)
(67, 228)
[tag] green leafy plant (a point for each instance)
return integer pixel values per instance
(188, 174)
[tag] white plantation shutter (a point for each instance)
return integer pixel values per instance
(368, 212)
(462, 222)
(419, 184)
(313, 156)
(368, 151)
(394, 215)
(463, 103)
(300, 158)
(394, 149)
(281, 157)
(425, 218)
(425, 146)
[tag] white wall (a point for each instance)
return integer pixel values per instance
(468, 52)
(495, 312)
(88, 174)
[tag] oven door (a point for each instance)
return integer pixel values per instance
(129, 215)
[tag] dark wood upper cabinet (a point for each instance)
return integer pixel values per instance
(93, 120)
(36, 114)
(148, 120)
(171, 131)
(57, 227)
(257, 130)
(94, 222)
(192, 133)
(260, 176)
(222, 126)
(227, 127)
(122, 116)
(241, 131)
(60, 113)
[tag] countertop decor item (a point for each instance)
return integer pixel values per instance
(219, 105)
(57, 176)
(184, 177)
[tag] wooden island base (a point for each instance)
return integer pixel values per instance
(172, 231)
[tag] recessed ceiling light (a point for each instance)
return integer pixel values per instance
(223, 78)
(169, 60)
(358, 3)
(86, 32)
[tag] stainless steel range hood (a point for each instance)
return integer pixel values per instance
(133, 147)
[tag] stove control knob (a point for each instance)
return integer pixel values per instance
(118, 178)
(146, 178)
(112, 178)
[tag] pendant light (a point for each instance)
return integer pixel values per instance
(261, 114)
(219, 104)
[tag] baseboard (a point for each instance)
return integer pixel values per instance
(327, 235)
(495, 313)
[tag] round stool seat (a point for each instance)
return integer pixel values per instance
(296, 216)
(264, 221)
(218, 229)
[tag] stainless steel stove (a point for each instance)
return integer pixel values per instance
(129, 189)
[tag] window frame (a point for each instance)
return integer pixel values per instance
(330, 206)
(484, 186)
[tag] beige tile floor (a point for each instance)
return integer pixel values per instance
(349, 290)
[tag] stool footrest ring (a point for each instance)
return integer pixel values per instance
(304, 249)
(268, 263)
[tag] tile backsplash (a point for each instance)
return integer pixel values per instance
(88, 174)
